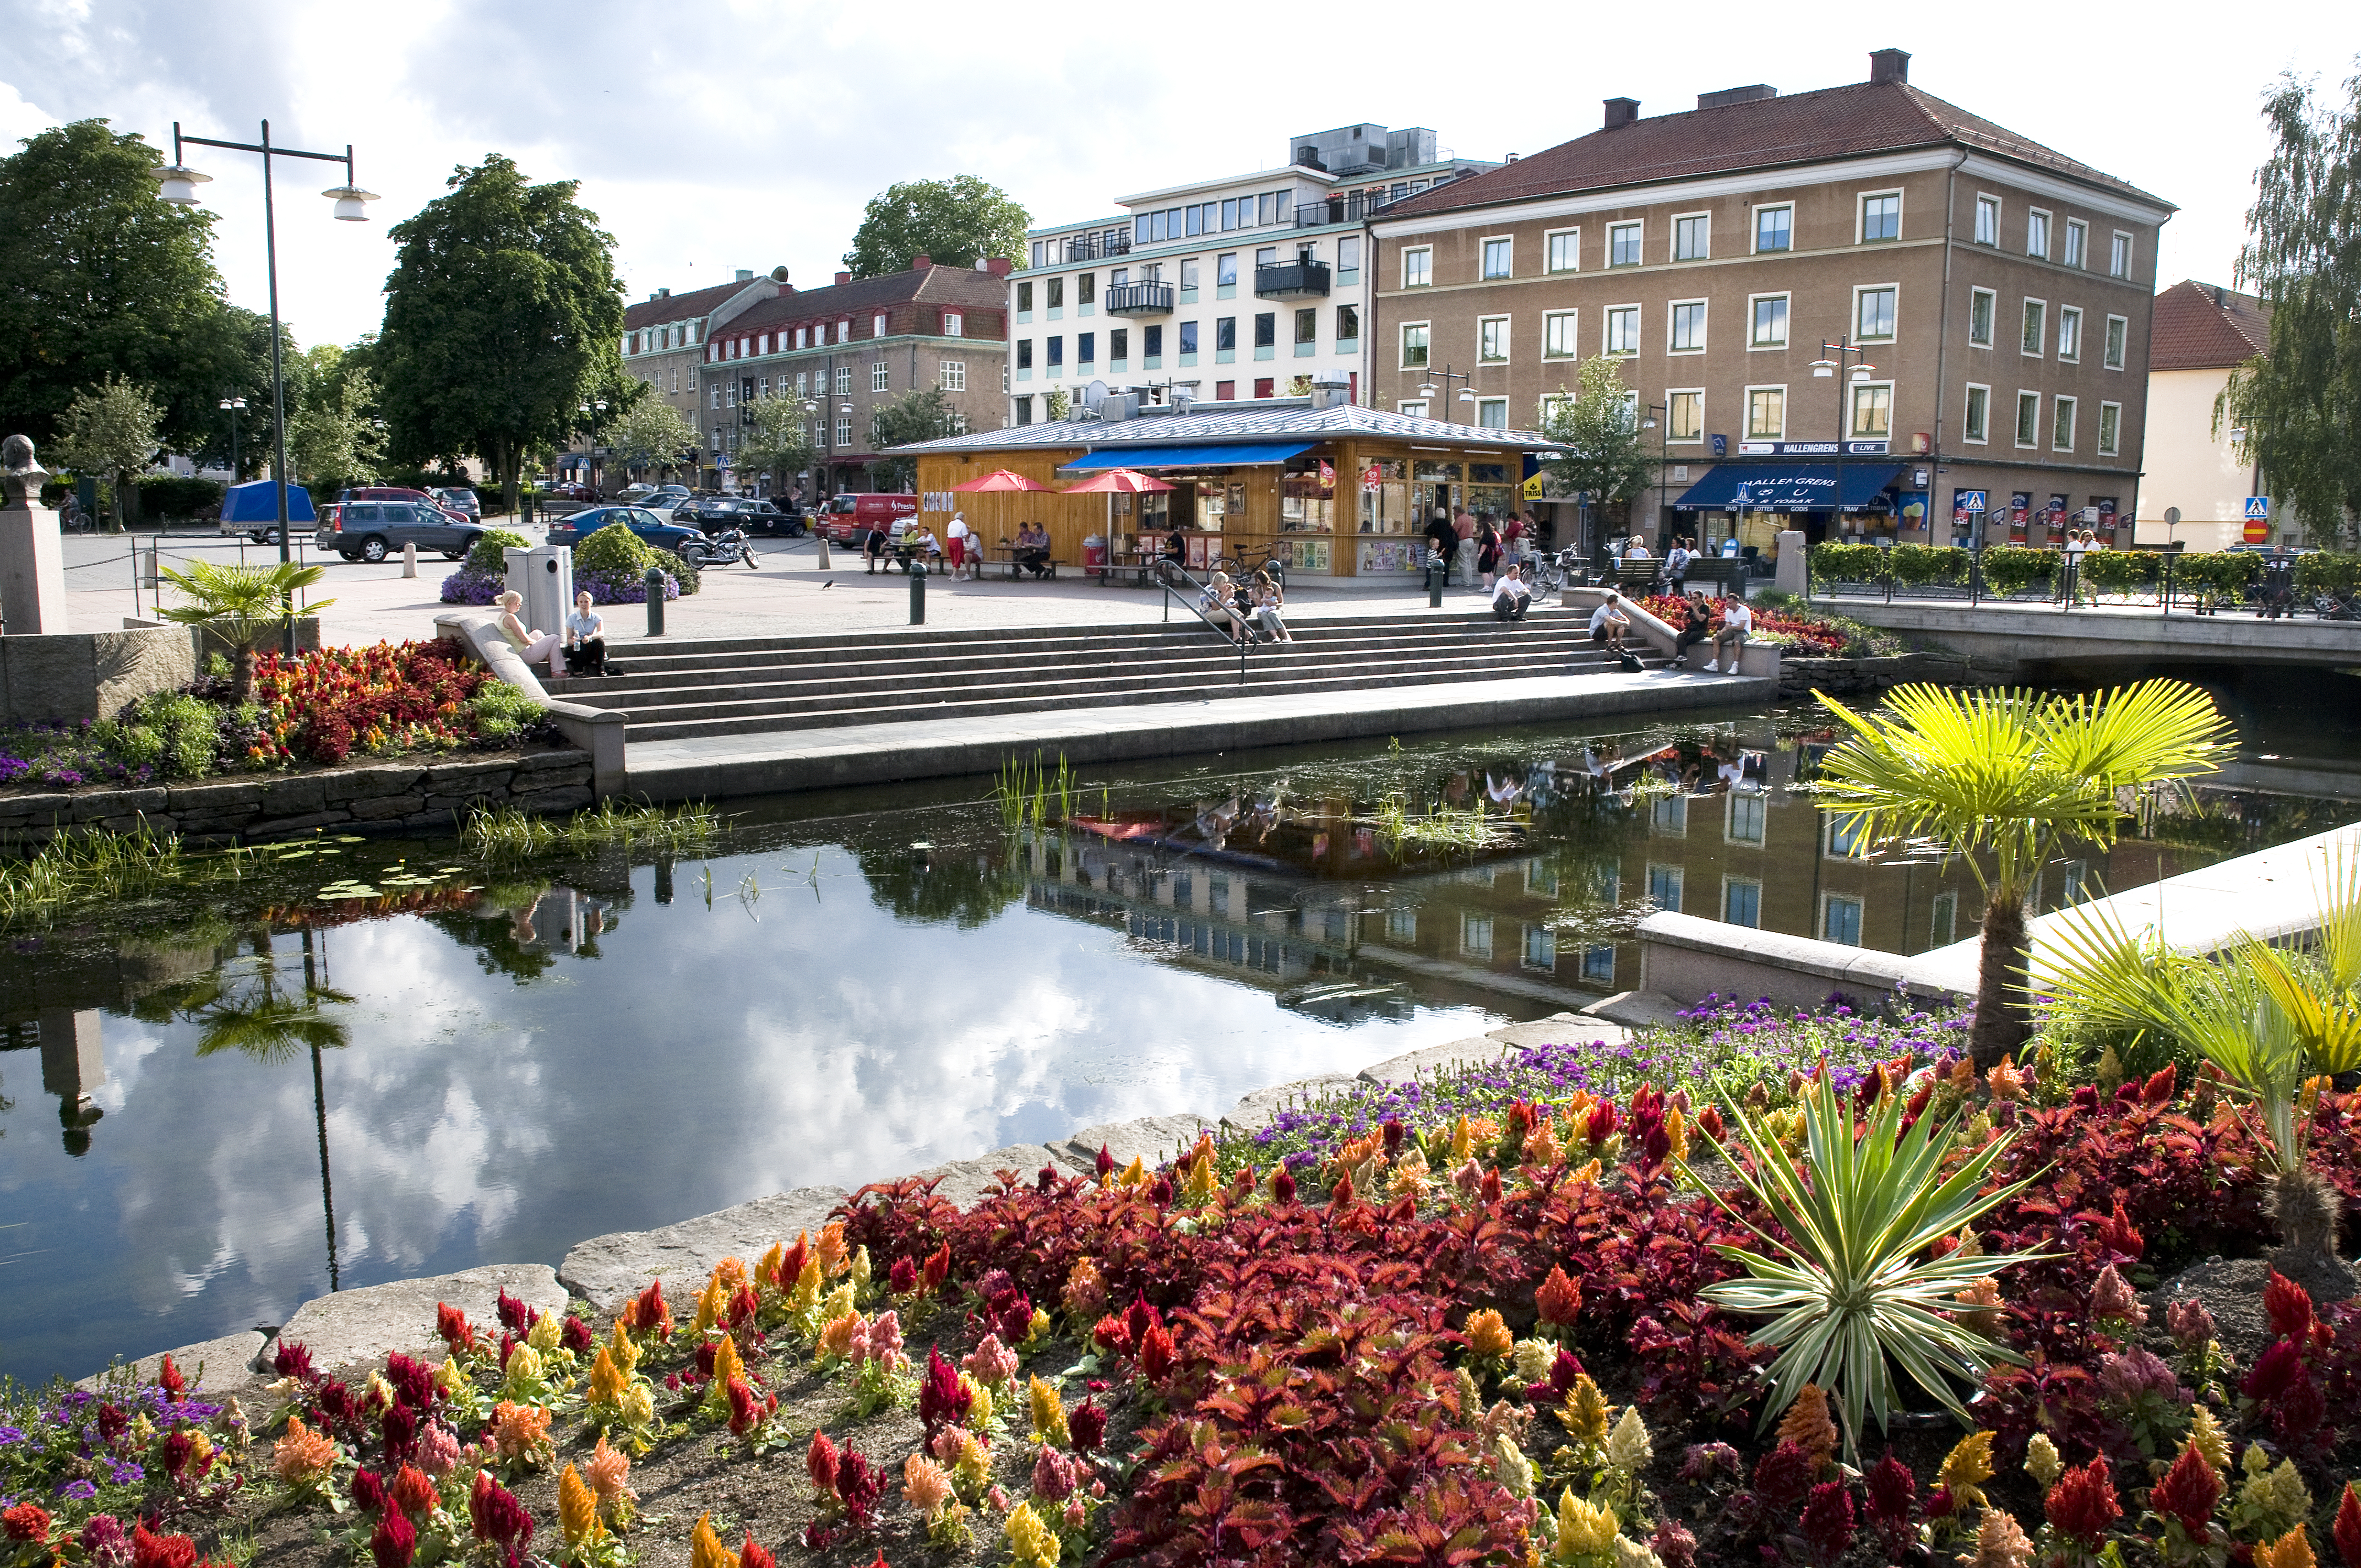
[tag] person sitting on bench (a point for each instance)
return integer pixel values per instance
(1737, 619)
(1032, 549)
(1696, 627)
(1510, 597)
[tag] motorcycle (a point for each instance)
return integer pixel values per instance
(720, 550)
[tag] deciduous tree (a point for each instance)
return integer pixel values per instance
(112, 429)
(652, 433)
(1605, 458)
(503, 316)
(923, 415)
(334, 436)
(778, 438)
(953, 222)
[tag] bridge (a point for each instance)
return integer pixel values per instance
(2042, 633)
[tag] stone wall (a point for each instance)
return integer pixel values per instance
(74, 676)
(1849, 677)
(368, 798)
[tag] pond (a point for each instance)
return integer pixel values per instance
(213, 1107)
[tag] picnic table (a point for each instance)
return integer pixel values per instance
(1005, 555)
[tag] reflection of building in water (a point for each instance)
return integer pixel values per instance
(73, 1064)
(562, 917)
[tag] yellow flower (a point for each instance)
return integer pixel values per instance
(1807, 1424)
(1532, 1358)
(1586, 1171)
(1583, 1528)
(610, 1474)
(712, 1305)
(1199, 1187)
(768, 1269)
(2292, 1550)
(639, 1405)
(979, 1409)
(804, 1300)
(840, 1301)
(2042, 1460)
(1134, 1174)
(607, 1381)
(626, 1353)
(577, 1510)
(448, 1377)
(1676, 1128)
(1410, 1176)
(1463, 1142)
(1048, 1414)
(973, 1468)
(2205, 1437)
(545, 1335)
(1488, 1335)
(1032, 1543)
(141, 1430)
(303, 1455)
(726, 1366)
(1628, 1447)
(705, 1548)
(1585, 1414)
(1964, 1468)
(524, 1364)
(2275, 1499)
(1510, 1467)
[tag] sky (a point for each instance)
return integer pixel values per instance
(725, 134)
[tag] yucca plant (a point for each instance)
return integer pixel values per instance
(2270, 1018)
(1848, 1279)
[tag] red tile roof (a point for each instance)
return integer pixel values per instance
(1862, 119)
(2198, 326)
(954, 286)
(679, 307)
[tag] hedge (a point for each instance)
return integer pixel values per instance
(169, 495)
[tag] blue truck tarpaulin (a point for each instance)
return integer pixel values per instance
(252, 502)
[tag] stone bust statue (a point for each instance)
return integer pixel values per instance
(20, 473)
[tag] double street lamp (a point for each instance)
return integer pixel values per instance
(1446, 376)
(177, 184)
(232, 407)
(1834, 360)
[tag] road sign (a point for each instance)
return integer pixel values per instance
(2258, 508)
(1968, 501)
(2258, 532)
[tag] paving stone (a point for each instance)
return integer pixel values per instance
(352, 1327)
(227, 1364)
(608, 1270)
(1149, 1139)
(966, 1180)
(1256, 1109)
(1433, 1059)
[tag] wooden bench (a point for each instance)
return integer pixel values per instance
(1724, 574)
(1004, 555)
(1133, 569)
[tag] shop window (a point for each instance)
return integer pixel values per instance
(1307, 496)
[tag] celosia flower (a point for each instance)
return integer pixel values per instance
(394, 1543)
(1085, 1293)
(2348, 1525)
(1583, 1526)
(2188, 1491)
(2112, 1299)
(1585, 1414)
(726, 1366)
(495, 1515)
(833, 1256)
(712, 1302)
(1827, 1520)
(522, 1364)
(2006, 1082)
(1980, 1307)
(2135, 1374)
(884, 1341)
(1893, 1494)
(1559, 1299)
(413, 1492)
(2082, 1504)
(1032, 1543)
(104, 1544)
(2287, 1308)
(516, 1315)
(2042, 1461)
(819, 1462)
(1488, 1335)
(519, 1431)
(1784, 1476)
(577, 1510)
(438, 1451)
(705, 1548)
(2274, 1372)
(746, 1411)
(1510, 1467)
(979, 1401)
(26, 1521)
(902, 1280)
(1808, 1426)
(1531, 1360)
(837, 1334)
(2192, 1325)
(2206, 1438)
(752, 1555)
(972, 1467)
(2274, 1497)
(2000, 1542)
(859, 1268)
(1048, 1413)
(608, 1381)
(2292, 1550)
(1087, 1423)
(1965, 1469)
(610, 1471)
(1054, 1476)
(925, 1486)
(647, 1313)
(545, 1334)
(1157, 1355)
(942, 1400)
(936, 1270)
(302, 1456)
(639, 1406)
(991, 1363)
(1628, 1447)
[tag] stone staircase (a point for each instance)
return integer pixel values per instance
(687, 687)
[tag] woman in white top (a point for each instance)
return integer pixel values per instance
(956, 547)
(586, 638)
(1269, 599)
(1218, 602)
(531, 645)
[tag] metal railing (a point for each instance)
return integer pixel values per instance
(1087, 247)
(2106, 580)
(1138, 300)
(1355, 207)
(1288, 279)
(1191, 591)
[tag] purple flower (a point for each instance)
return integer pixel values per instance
(11, 1434)
(80, 1491)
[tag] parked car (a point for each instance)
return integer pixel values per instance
(402, 493)
(847, 517)
(370, 531)
(650, 527)
(714, 513)
(461, 500)
(572, 492)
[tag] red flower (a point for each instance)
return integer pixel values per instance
(2301, 1409)
(1827, 1518)
(161, 1551)
(412, 1381)
(1110, 1335)
(1601, 1126)
(746, 1412)
(819, 1459)
(1783, 1475)
(26, 1521)
(902, 1278)
(791, 1261)
(291, 1360)
(168, 1377)
(1709, 1123)
(393, 1543)
(1087, 1425)
(943, 1401)
(1491, 1189)
(2122, 1237)
(497, 1516)
(1282, 1186)
(2287, 1307)
(938, 1269)
(1340, 1197)
(516, 1316)
(1139, 1317)
(2082, 1504)
(453, 1325)
(2159, 1088)
(647, 1311)
(368, 1491)
(2190, 1492)
(413, 1491)
(1893, 1493)
(2348, 1527)
(1559, 1299)
(754, 1555)
(1564, 1368)
(1105, 1166)
(2274, 1372)
(743, 1306)
(1156, 1354)
(576, 1335)
(859, 1486)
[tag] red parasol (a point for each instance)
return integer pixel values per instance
(1120, 481)
(1001, 479)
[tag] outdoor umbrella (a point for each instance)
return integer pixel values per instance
(1001, 479)
(1119, 481)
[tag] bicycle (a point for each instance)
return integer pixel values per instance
(1245, 564)
(1550, 574)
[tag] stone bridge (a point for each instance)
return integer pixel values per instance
(2022, 635)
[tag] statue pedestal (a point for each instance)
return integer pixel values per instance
(32, 572)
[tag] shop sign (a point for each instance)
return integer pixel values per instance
(1533, 487)
(1370, 477)
(1328, 474)
(1787, 492)
(2057, 515)
(1812, 448)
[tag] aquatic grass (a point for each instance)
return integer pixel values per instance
(508, 836)
(1022, 792)
(1444, 826)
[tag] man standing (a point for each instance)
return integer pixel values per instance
(1737, 619)
(1441, 538)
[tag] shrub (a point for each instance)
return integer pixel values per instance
(616, 552)
(169, 495)
(468, 585)
(2323, 571)
(1917, 564)
(1849, 563)
(485, 555)
(169, 733)
(2118, 571)
(2011, 568)
(2222, 572)
(505, 716)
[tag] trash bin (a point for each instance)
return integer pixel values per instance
(1095, 555)
(544, 573)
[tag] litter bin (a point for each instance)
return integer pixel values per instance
(1095, 555)
(544, 573)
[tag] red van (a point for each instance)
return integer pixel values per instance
(847, 519)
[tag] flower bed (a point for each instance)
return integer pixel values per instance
(1817, 636)
(1488, 1344)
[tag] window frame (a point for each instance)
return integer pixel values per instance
(2018, 432)
(1730, 819)
(2110, 433)
(2042, 215)
(1573, 335)
(2033, 314)
(1549, 249)
(954, 324)
(1426, 344)
(2069, 407)
(1484, 406)
(2124, 242)
(2069, 319)
(1860, 216)
(1983, 436)
(1753, 303)
(1639, 225)
(1704, 218)
(1503, 322)
(1425, 253)
(1673, 309)
(1852, 410)
(2078, 244)
(1607, 331)
(881, 376)
(1986, 203)
(1991, 297)
(1672, 394)
(1752, 434)
(948, 371)
(1484, 244)
(1754, 229)
(1861, 288)
(1731, 883)
(2115, 347)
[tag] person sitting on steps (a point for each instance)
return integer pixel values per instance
(1609, 623)
(1510, 597)
(586, 638)
(1737, 619)
(533, 646)
(1696, 625)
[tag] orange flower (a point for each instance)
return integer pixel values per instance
(611, 1474)
(834, 1256)
(519, 1431)
(1488, 1334)
(302, 1456)
(2006, 1082)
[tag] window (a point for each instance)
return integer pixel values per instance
(1943, 920)
(2078, 241)
(877, 325)
(2070, 333)
(1264, 386)
(1564, 250)
(954, 324)
(1981, 303)
(951, 376)
(1975, 420)
(1267, 256)
(1842, 838)
(1559, 337)
(716, 397)
(1492, 339)
(1348, 256)
(1223, 391)
(1623, 329)
(1086, 287)
(2118, 330)
(2119, 256)
(1024, 411)
(1742, 899)
(1840, 920)
(2111, 428)
(1475, 936)
(1307, 325)
(1056, 293)
(1417, 267)
(1685, 413)
(1554, 406)
(1024, 353)
(1267, 329)
(844, 430)
(1541, 949)
(1057, 352)
(1348, 324)
(1692, 238)
(1119, 345)
(1151, 344)
(1492, 413)
(730, 394)
(1872, 311)
(1499, 257)
(1775, 229)
(1188, 273)
(1624, 244)
(1598, 965)
(1881, 217)
(1669, 816)
(1746, 819)
(1688, 327)
(881, 377)
(1987, 220)
(1413, 345)
(2036, 234)
(1872, 412)
(1225, 269)
(2061, 424)
(1664, 887)
(1226, 333)
(2028, 419)
(1768, 326)
(2030, 337)
(1412, 408)
(1766, 413)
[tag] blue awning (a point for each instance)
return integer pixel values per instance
(1770, 487)
(1226, 456)
(253, 502)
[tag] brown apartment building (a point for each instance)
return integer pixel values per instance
(1994, 296)
(663, 343)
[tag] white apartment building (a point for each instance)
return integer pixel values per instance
(1227, 290)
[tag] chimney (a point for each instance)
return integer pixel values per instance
(842, 279)
(745, 274)
(663, 294)
(1889, 65)
(921, 261)
(998, 265)
(1621, 112)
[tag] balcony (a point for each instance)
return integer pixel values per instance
(1291, 280)
(1138, 299)
(1087, 246)
(1356, 206)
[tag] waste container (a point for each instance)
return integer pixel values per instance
(1095, 555)
(544, 573)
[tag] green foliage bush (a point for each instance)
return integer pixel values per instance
(502, 712)
(170, 733)
(168, 495)
(2326, 572)
(2011, 568)
(2227, 572)
(1920, 564)
(616, 550)
(2119, 571)
(485, 555)
(1847, 562)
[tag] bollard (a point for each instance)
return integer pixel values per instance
(917, 593)
(655, 582)
(1434, 582)
(409, 559)
(820, 544)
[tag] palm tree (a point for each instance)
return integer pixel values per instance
(244, 604)
(2271, 1018)
(2012, 777)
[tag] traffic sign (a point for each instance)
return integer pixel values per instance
(2258, 508)
(2258, 532)
(1968, 501)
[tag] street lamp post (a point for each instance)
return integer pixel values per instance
(233, 406)
(177, 184)
(1446, 376)
(1832, 362)
(591, 413)
(1660, 420)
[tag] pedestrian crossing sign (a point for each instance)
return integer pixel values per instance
(2258, 508)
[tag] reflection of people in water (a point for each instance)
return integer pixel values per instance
(522, 929)
(1502, 791)
(1214, 822)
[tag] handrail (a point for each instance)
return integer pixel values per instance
(1165, 569)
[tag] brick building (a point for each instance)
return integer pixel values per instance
(663, 339)
(1998, 292)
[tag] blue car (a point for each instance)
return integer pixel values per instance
(649, 528)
